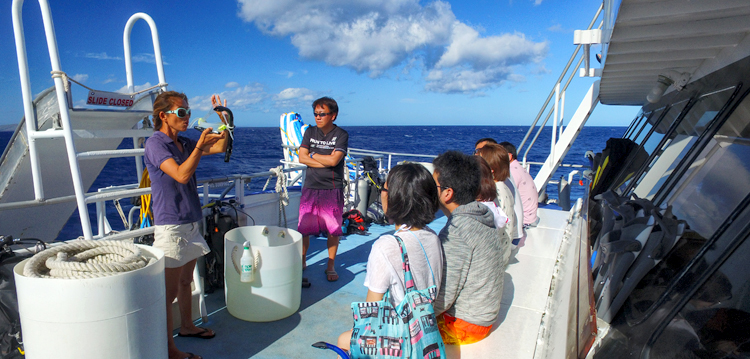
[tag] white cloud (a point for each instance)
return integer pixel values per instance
(292, 98)
(101, 56)
(232, 84)
(111, 79)
(241, 98)
(287, 74)
(143, 57)
(541, 70)
(465, 80)
(147, 58)
(124, 89)
(80, 77)
(537, 2)
(373, 37)
(557, 28)
(516, 78)
(481, 53)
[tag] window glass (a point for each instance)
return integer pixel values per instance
(655, 283)
(654, 116)
(636, 124)
(639, 156)
(719, 179)
(652, 142)
(680, 141)
(715, 323)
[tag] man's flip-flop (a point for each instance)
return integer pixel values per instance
(331, 273)
(193, 356)
(201, 334)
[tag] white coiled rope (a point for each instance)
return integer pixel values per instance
(86, 259)
(281, 190)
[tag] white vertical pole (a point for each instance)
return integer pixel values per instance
(28, 106)
(100, 219)
(239, 190)
(75, 171)
(138, 160)
(206, 198)
(562, 114)
(554, 122)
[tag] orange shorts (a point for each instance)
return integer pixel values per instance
(456, 331)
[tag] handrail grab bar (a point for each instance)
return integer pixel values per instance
(157, 49)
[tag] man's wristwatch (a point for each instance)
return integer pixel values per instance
(311, 155)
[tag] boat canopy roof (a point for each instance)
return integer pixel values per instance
(651, 38)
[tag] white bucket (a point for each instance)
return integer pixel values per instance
(121, 316)
(276, 290)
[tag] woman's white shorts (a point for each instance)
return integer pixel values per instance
(181, 243)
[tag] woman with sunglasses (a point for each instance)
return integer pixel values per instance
(171, 161)
(410, 201)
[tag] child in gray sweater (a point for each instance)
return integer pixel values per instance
(475, 254)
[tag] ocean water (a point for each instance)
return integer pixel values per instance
(258, 149)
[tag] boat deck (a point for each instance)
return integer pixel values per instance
(325, 311)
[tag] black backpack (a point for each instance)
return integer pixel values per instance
(354, 223)
(10, 322)
(217, 225)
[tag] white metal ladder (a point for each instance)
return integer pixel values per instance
(66, 131)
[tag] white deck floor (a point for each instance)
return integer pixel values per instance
(325, 309)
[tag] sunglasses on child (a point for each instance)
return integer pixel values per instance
(180, 112)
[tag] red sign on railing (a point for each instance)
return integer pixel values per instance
(103, 98)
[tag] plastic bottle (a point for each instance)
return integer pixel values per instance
(246, 263)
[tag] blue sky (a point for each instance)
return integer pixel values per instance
(386, 62)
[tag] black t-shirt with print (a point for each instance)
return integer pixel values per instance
(316, 142)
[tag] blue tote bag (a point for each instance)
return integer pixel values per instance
(407, 331)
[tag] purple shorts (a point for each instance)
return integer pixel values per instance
(320, 211)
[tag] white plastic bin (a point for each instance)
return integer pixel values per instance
(276, 290)
(122, 316)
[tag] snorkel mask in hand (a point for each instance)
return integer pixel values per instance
(202, 124)
(226, 124)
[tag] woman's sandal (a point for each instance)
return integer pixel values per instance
(332, 274)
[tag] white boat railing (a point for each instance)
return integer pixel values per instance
(238, 181)
(389, 154)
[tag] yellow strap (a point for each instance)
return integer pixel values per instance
(146, 198)
(600, 170)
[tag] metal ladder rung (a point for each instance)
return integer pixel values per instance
(113, 133)
(127, 234)
(90, 155)
(104, 196)
(90, 198)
